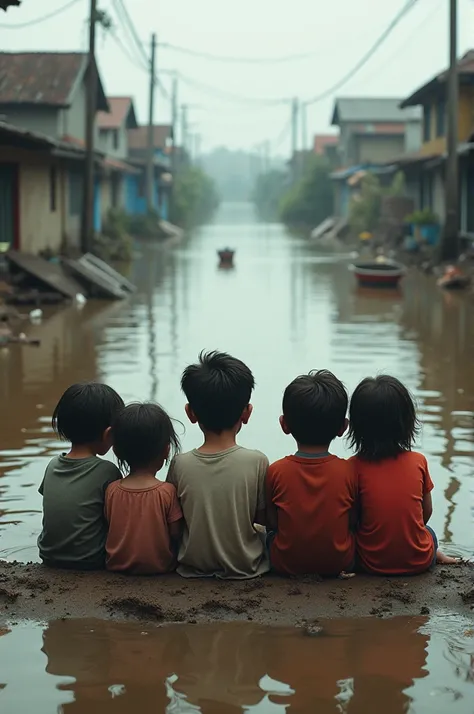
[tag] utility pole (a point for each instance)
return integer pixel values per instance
(294, 136)
(150, 157)
(87, 228)
(304, 129)
(174, 125)
(449, 248)
(184, 128)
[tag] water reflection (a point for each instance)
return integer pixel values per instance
(285, 309)
(353, 666)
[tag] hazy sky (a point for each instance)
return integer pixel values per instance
(337, 31)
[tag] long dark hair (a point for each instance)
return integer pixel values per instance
(383, 421)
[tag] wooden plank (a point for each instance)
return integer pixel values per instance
(114, 274)
(97, 282)
(48, 275)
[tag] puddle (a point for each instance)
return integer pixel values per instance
(361, 666)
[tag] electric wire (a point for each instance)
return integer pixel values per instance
(239, 60)
(368, 55)
(42, 18)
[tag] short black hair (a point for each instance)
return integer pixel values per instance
(141, 432)
(315, 407)
(218, 388)
(383, 421)
(85, 411)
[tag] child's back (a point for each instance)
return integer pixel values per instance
(73, 488)
(314, 498)
(74, 528)
(311, 495)
(392, 537)
(220, 494)
(143, 513)
(221, 486)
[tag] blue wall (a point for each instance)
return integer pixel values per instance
(135, 204)
(97, 207)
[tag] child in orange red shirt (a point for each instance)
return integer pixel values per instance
(144, 516)
(310, 495)
(395, 486)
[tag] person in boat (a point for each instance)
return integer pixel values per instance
(394, 484)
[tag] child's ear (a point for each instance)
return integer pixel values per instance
(246, 414)
(343, 429)
(190, 414)
(283, 425)
(107, 437)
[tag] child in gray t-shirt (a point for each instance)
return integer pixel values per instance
(73, 488)
(220, 485)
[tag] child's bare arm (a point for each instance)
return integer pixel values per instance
(427, 507)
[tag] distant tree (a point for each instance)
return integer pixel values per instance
(194, 198)
(267, 194)
(309, 201)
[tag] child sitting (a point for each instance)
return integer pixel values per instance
(221, 486)
(143, 513)
(73, 488)
(310, 495)
(393, 537)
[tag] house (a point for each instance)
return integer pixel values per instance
(35, 187)
(425, 170)
(112, 131)
(44, 93)
(327, 145)
(372, 131)
(136, 203)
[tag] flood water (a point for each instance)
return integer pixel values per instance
(284, 309)
(354, 666)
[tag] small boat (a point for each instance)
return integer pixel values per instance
(226, 256)
(378, 273)
(453, 279)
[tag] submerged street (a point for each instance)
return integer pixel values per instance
(284, 309)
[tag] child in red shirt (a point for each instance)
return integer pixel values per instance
(395, 486)
(311, 494)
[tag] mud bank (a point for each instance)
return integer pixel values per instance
(36, 592)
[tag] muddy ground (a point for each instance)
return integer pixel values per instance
(36, 592)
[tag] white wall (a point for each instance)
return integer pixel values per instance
(105, 143)
(40, 227)
(73, 118)
(413, 136)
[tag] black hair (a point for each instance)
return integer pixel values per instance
(383, 421)
(218, 388)
(315, 407)
(141, 434)
(85, 411)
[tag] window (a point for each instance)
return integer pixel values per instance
(441, 117)
(76, 188)
(53, 183)
(115, 138)
(427, 123)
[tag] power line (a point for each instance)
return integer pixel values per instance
(368, 55)
(227, 96)
(137, 63)
(42, 18)
(129, 27)
(239, 60)
(282, 135)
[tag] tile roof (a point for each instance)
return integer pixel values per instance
(39, 77)
(138, 138)
(375, 109)
(120, 108)
(466, 72)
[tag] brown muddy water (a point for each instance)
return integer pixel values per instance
(284, 309)
(352, 666)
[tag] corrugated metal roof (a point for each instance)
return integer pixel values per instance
(375, 109)
(120, 108)
(43, 78)
(466, 73)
